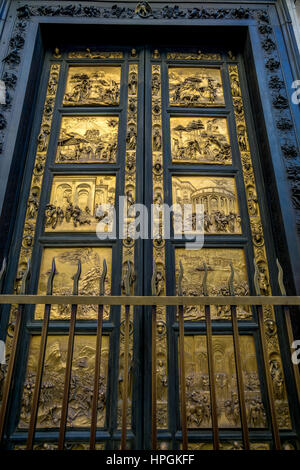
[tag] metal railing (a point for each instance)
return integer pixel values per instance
(128, 301)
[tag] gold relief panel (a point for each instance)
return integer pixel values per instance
(198, 389)
(218, 266)
(82, 382)
(75, 202)
(200, 140)
(195, 87)
(219, 199)
(66, 260)
(88, 139)
(228, 445)
(93, 86)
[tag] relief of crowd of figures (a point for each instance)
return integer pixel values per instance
(66, 261)
(77, 202)
(217, 197)
(81, 385)
(198, 388)
(218, 272)
(93, 86)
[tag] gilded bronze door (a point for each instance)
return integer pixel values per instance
(159, 127)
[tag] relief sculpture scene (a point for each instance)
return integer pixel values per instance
(195, 87)
(75, 203)
(66, 260)
(93, 86)
(218, 197)
(88, 139)
(52, 387)
(217, 261)
(198, 387)
(200, 140)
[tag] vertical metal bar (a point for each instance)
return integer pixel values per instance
(238, 365)
(66, 392)
(127, 284)
(39, 373)
(211, 367)
(154, 381)
(125, 383)
(275, 430)
(212, 385)
(182, 365)
(182, 379)
(97, 362)
(240, 380)
(12, 359)
(154, 378)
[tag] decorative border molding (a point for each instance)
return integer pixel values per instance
(143, 10)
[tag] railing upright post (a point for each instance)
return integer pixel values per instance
(127, 280)
(154, 378)
(97, 361)
(211, 366)
(12, 359)
(182, 366)
(65, 402)
(238, 365)
(39, 373)
(261, 325)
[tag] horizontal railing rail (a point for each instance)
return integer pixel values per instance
(127, 300)
(170, 300)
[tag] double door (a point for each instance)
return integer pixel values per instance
(162, 127)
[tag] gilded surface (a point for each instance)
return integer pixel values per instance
(228, 445)
(128, 242)
(193, 56)
(66, 260)
(218, 265)
(200, 140)
(195, 86)
(88, 54)
(159, 251)
(197, 382)
(218, 197)
(75, 202)
(88, 139)
(275, 364)
(82, 386)
(93, 86)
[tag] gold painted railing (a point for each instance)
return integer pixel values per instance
(74, 300)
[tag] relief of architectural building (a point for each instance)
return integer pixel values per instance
(77, 203)
(200, 140)
(88, 139)
(219, 199)
(197, 382)
(66, 260)
(218, 267)
(82, 382)
(92, 86)
(195, 86)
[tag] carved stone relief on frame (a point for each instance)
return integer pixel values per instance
(66, 260)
